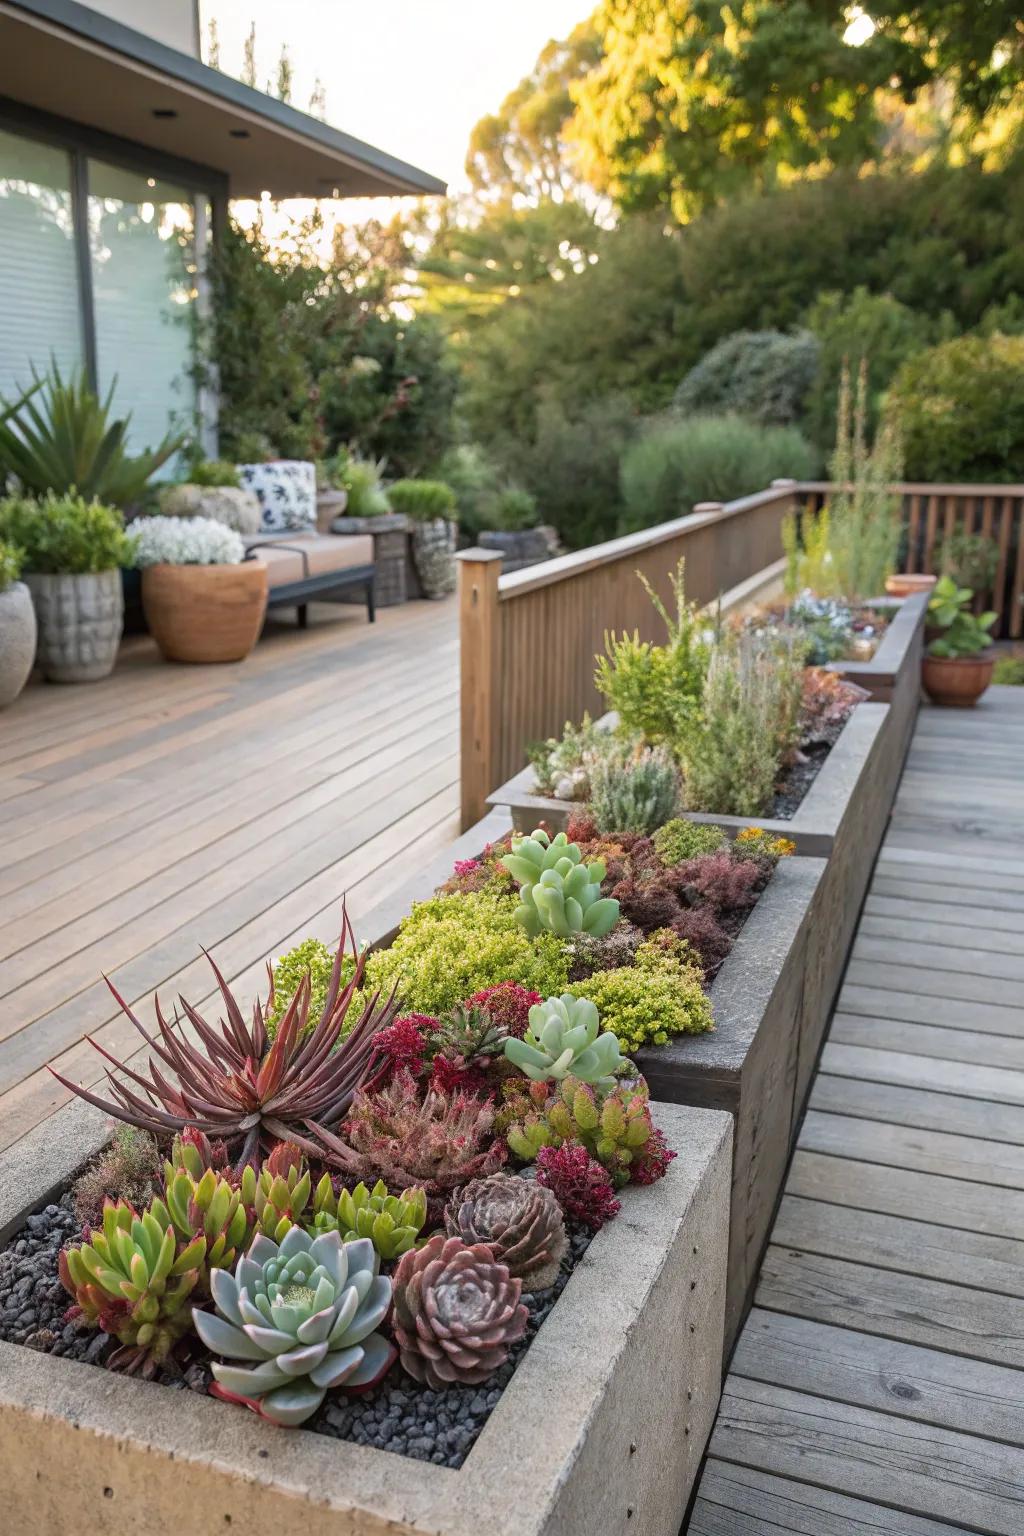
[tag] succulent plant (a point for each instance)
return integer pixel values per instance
(391, 1222)
(468, 1032)
(579, 1183)
(457, 1311)
(613, 1128)
(305, 1311)
(210, 1207)
(233, 1083)
(435, 1143)
(557, 891)
(132, 1279)
(519, 1220)
(563, 1040)
(281, 1193)
(127, 1169)
(508, 1003)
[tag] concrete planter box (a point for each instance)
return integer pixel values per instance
(602, 1427)
(893, 675)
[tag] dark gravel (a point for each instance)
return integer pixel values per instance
(399, 1415)
(801, 775)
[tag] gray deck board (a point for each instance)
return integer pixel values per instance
(878, 1384)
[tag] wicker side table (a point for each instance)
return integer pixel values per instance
(390, 533)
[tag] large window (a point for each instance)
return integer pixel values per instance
(40, 301)
(101, 263)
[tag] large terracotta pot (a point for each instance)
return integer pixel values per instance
(17, 640)
(205, 613)
(957, 682)
(909, 582)
(80, 620)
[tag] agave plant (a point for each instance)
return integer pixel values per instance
(302, 1316)
(68, 443)
(234, 1084)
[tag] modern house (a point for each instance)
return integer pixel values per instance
(119, 150)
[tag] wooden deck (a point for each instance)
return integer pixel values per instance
(172, 807)
(878, 1386)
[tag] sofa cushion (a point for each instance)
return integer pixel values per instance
(291, 557)
(286, 491)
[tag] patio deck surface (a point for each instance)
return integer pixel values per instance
(171, 807)
(878, 1386)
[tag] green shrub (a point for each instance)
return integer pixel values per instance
(475, 480)
(959, 410)
(314, 959)
(514, 509)
(660, 995)
(675, 464)
(572, 467)
(452, 946)
(422, 500)
(11, 559)
(213, 472)
(634, 791)
(749, 721)
(361, 479)
(1009, 671)
(971, 559)
(64, 535)
(656, 689)
(762, 375)
(679, 840)
(855, 328)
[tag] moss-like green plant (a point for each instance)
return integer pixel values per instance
(557, 891)
(391, 1222)
(563, 1040)
(422, 500)
(661, 995)
(11, 559)
(679, 840)
(456, 944)
(213, 473)
(313, 958)
(65, 535)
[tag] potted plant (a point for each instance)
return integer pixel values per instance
(213, 489)
(17, 626)
(203, 600)
(72, 553)
(362, 507)
(515, 529)
(958, 664)
(430, 507)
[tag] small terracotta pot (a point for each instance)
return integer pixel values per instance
(908, 583)
(205, 613)
(957, 682)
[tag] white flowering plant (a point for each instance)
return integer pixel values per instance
(185, 541)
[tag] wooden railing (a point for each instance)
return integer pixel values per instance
(528, 640)
(931, 512)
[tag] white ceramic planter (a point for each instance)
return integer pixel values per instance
(80, 619)
(17, 640)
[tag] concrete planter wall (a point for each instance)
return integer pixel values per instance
(893, 675)
(80, 620)
(17, 640)
(601, 1429)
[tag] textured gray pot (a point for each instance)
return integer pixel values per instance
(17, 640)
(80, 620)
(433, 553)
(228, 504)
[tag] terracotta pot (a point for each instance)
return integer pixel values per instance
(907, 584)
(205, 613)
(958, 682)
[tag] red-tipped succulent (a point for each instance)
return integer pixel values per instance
(234, 1083)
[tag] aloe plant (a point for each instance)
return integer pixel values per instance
(66, 441)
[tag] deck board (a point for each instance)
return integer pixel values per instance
(878, 1384)
(230, 807)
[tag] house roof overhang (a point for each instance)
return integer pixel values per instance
(64, 59)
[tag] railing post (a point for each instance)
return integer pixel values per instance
(479, 681)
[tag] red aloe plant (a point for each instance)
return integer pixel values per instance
(234, 1083)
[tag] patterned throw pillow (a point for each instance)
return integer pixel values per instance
(286, 489)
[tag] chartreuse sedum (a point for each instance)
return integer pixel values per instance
(563, 1040)
(557, 891)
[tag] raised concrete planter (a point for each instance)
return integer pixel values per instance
(893, 675)
(601, 1429)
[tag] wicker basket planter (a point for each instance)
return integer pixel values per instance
(80, 622)
(205, 613)
(17, 640)
(432, 546)
(390, 533)
(81, 1446)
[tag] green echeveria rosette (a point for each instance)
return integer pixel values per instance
(563, 1040)
(557, 891)
(304, 1311)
